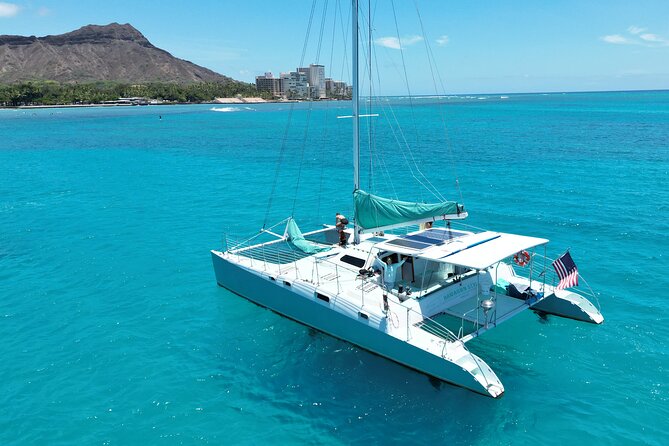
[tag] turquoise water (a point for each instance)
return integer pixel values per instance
(113, 330)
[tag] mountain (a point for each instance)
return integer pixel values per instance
(111, 52)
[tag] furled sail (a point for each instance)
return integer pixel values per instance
(295, 238)
(374, 213)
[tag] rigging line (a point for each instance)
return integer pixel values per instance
(413, 116)
(370, 62)
(367, 75)
(372, 127)
(327, 110)
(377, 158)
(388, 105)
(385, 170)
(345, 34)
(306, 38)
(432, 190)
(374, 60)
(406, 77)
(434, 68)
(282, 151)
(309, 110)
(403, 154)
(370, 122)
(320, 36)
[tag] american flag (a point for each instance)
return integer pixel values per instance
(566, 271)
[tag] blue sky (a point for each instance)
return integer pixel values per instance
(478, 46)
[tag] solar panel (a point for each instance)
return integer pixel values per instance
(444, 234)
(408, 243)
(376, 239)
(422, 238)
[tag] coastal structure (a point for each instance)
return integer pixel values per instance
(337, 89)
(269, 83)
(294, 85)
(303, 83)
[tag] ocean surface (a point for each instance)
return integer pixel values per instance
(114, 332)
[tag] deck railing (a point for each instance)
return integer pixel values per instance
(540, 269)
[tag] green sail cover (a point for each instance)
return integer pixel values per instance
(373, 212)
(295, 238)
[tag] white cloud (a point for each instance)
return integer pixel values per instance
(410, 40)
(652, 38)
(397, 44)
(388, 42)
(635, 30)
(8, 9)
(616, 38)
(637, 36)
(443, 40)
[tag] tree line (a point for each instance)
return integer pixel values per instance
(55, 93)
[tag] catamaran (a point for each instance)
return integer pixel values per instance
(415, 297)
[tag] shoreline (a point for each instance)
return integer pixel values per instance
(34, 107)
(220, 101)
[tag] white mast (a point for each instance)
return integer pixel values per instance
(356, 115)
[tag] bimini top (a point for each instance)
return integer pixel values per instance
(476, 251)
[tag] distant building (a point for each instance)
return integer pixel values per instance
(303, 83)
(336, 89)
(269, 83)
(316, 78)
(294, 85)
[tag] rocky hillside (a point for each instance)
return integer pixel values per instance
(96, 53)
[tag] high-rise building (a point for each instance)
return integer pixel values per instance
(294, 85)
(336, 89)
(269, 83)
(316, 79)
(303, 83)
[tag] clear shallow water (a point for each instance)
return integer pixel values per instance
(113, 330)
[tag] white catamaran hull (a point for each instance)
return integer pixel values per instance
(571, 305)
(297, 301)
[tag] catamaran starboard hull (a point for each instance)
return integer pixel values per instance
(296, 301)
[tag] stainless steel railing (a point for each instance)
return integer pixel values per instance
(545, 274)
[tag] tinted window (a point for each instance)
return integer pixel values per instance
(355, 261)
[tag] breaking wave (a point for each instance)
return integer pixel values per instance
(225, 109)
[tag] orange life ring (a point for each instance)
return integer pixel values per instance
(522, 258)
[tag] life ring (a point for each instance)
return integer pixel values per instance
(522, 258)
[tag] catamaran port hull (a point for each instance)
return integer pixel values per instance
(571, 305)
(295, 301)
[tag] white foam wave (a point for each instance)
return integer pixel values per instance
(225, 109)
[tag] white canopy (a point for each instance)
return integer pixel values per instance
(479, 251)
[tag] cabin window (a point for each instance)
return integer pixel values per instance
(355, 261)
(286, 283)
(323, 297)
(460, 270)
(407, 269)
(363, 315)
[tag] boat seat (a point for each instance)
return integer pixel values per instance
(517, 290)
